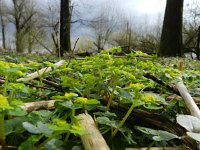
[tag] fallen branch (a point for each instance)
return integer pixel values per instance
(196, 99)
(31, 106)
(92, 140)
(40, 72)
(194, 110)
(51, 83)
(169, 87)
(41, 87)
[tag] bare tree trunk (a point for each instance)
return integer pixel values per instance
(3, 32)
(65, 26)
(171, 37)
(55, 38)
(30, 43)
(18, 34)
(19, 42)
(22, 13)
(198, 44)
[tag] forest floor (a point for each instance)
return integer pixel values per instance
(133, 100)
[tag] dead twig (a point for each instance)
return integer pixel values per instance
(159, 81)
(72, 53)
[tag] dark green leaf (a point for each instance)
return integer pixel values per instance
(14, 125)
(158, 135)
(105, 114)
(17, 112)
(29, 143)
(106, 121)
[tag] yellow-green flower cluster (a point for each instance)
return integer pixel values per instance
(136, 86)
(59, 125)
(4, 65)
(48, 64)
(141, 54)
(4, 104)
(148, 98)
(11, 69)
(70, 95)
(59, 122)
(81, 100)
(34, 65)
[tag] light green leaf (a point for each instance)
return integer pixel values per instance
(190, 123)
(54, 144)
(31, 128)
(44, 128)
(195, 136)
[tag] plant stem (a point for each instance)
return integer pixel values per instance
(110, 99)
(73, 113)
(151, 145)
(2, 134)
(66, 137)
(123, 120)
(5, 86)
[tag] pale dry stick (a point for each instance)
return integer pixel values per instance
(40, 72)
(46, 105)
(191, 105)
(92, 139)
(8, 147)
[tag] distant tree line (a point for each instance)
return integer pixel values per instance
(49, 28)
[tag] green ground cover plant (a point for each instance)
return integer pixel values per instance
(94, 85)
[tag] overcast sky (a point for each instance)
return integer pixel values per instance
(133, 7)
(141, 11)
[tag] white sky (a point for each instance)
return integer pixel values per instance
(145, 6)
(141, 10)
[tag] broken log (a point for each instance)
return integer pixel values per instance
(51, 83)
(92, 140)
